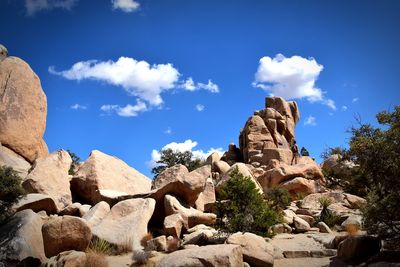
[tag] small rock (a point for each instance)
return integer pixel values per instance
(300, 225)
(323, 228)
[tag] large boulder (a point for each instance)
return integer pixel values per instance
(256, 251)
(102, 175)
(9, 158)
(334, 165)
(301, 185)
(36, 202)
(97, 213)
(23, 109)
(343, 201)
(244, 170)
(190, 215)
(212, 255)
(206, 200)
(65, 233)
(126, 223)
(21, 238)
(356, 249)
(49, 176)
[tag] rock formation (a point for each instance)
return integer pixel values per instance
(23, 108)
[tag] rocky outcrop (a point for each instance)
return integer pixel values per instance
(9, 158)
(49, 176)
(206, 200)
(212, 255)
(242, 169)
(65, 233)
(36, 202)
(126, 223)
(335, 166)
(104, 177)
(21, 238)
(23, 108)
(256, 251)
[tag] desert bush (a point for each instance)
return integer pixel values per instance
(326, 215)
(240, 207)
(100, 246)
(170, 158)
(75, 162)
(95, 260)
(10, 191)
(304, 152)
(278, 197)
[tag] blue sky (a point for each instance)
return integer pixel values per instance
(129, 77)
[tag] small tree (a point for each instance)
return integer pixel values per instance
(170, 158)
(10, 191)
(278, 197)
(75, 162)
(304, 152)
(240, 207)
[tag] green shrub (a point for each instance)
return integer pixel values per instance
(240, 207)
(100, 246)
(10, 191)
(75, 162)
(326, 215)
(304, 152)
(278, 197)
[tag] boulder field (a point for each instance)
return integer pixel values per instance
(168, 221)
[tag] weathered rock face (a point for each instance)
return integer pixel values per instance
(21, 237)
(97, 213)
(49, 176)
(65, 233)
(213, 255)
(11, 159)
(23, 108)
(36, 202)
(206, 199)
(102, 176)
(334, 166)
(233, 155)
(126, 223)
(269, 133)
(256, 251)
(70, 258)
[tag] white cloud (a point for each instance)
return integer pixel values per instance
(187, 145)
(190, 85)
(344, 108)
(34, 6)
(200, 107)
(138, 78)
(77, 106)
(127, 111)
(291, 78)
(168, 131)
(125, 5)
(310, 120)
(355, 99)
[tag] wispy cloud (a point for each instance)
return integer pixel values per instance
(78, 106)
(344, 108)
(355, 99)
(138, 78)
(127, 111)
(34, 6)
(310, 120)
(200, 107)
(125, 5)
(291, 78)
(187, 145)
(168, 131)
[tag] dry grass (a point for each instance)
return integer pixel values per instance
(352, 229)
(95, 260)
(141, 257)
(99, 246)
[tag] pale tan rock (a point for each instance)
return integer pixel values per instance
(212, 255)
(198, 237)
(341, 200)
(355, 202)
(126, 223)
(83, 209)
(283, 155)
(256, 251)
(103, 172)
(300, 224)
(70, 258)
(301, 185)
(170, 175)
(71, 209)
(337, 167)
(280, 228)
(190, 215)
(36, 202)
(206, 200)
(324, 228)
(288, 216)
(214, 157)
(309, 219)
(97, 213)
(221, 167)
(9, 158)
(23, 109)
(158, 243)
(21, 237)
(244, 170)
(3, 52)
(65, 233)
(173, 225)
(49, 176)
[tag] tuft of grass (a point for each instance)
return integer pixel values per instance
(95, 260)
(99, 246)
(352, 229)
(146, 238)
(325, 202)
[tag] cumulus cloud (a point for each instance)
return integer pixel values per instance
(310, 120)
(127, 111)
(138, 78)
(200, 107)
(187, 145)
(125, 5)
(77, 107)
(190, 85)
(291, 78)
(34, 6)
